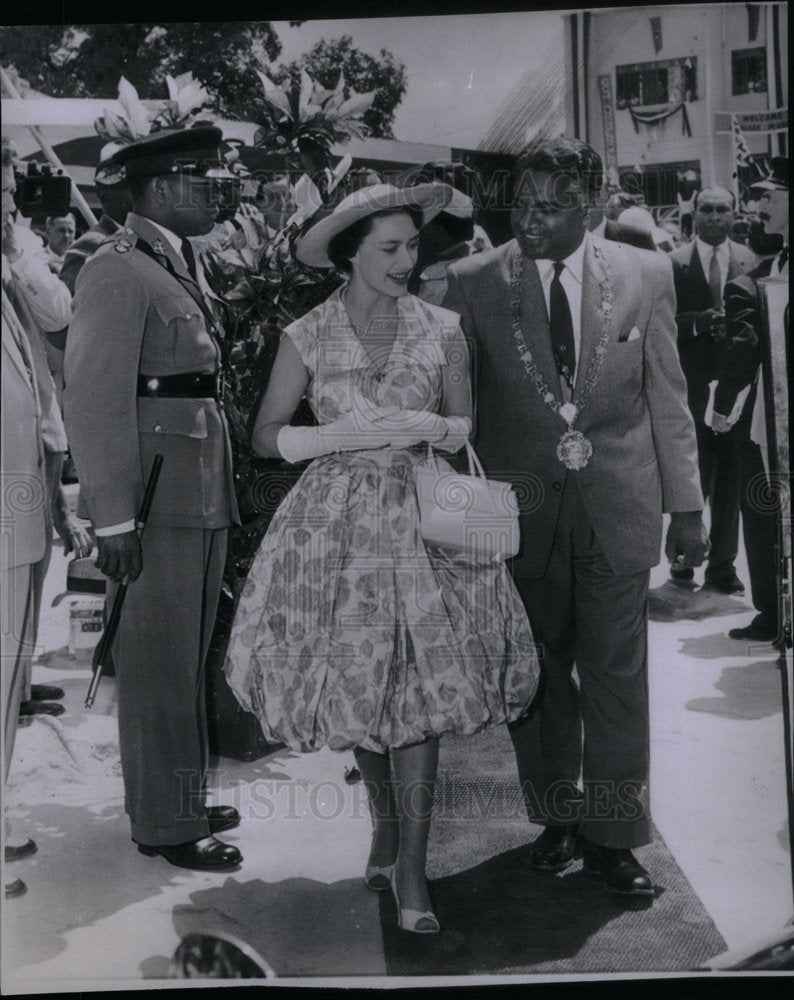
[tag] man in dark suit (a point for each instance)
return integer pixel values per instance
(700, 270)
(142, 362)
(738, 365)
(579, 389)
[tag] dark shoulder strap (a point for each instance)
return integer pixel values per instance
(192, 289)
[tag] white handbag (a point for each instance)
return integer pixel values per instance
(468, 513)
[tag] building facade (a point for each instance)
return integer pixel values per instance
(658, 91)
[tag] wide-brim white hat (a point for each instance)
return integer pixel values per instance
(429, 198)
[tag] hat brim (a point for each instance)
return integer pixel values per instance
(431, 199)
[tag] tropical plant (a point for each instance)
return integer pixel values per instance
(309, 119)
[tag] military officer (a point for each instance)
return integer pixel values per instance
(141, 378)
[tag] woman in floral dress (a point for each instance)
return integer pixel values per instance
(350, 632)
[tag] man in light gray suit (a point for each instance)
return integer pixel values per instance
(579, 389)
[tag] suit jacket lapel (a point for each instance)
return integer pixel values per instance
(697, 275)
(535, 325)
(593, 275)
(17, 345)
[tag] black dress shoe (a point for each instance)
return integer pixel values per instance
(41, 708)
(15, 888)
(20, 852)
(45, 692)
(760, 629)
(222, 818)
(727, 584)
(620, 871)
(554, 849)
(207, 854)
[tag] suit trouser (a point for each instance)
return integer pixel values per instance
(759, 527)
(159, 655)
(18, 638)
(718, 459)
(53, 465)
(585, 614)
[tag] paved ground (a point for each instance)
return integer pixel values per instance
(99, 915)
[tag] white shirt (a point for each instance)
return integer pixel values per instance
(571, 280)
(118, 529)
(705, 250)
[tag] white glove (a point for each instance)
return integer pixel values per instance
(352, 432)
(409, 427)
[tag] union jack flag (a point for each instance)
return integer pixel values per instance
(743, 155)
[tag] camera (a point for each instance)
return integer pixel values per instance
(42, 191)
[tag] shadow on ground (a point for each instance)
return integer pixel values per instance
(88, 850)
(300, 926)
(672, 603)
(501, 917)
(751, 691)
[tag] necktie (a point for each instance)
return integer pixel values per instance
(561, 327)
(190, 260)
(715, 280)
(782, 260)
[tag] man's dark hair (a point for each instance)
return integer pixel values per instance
(710, 190)
(570, 157)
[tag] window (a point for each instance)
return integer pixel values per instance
(658, 182)
(669, 81)
(748, 71)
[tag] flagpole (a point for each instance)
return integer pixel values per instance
(735, 150)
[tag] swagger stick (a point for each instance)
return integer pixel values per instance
(105, 643)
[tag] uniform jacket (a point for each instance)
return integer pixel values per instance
(740, 355)
(644, 457)
(25, 521)
(84, 248)
(132, 315)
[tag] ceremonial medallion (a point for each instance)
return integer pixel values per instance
(574, 450)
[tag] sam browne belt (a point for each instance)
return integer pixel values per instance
(186, 385)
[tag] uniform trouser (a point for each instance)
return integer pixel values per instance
(18, 638)
(585, 614)
(759, 527)
(159, 656)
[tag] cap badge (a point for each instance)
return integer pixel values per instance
(122, 246)
(159, 247)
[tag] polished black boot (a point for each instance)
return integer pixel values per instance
(555, 849)
(207, 854)
(619, 870)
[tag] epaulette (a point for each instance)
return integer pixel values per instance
(124, 240)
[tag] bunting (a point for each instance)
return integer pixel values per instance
(651, 118)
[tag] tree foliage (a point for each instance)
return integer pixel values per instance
(87, 60)
(363, 73)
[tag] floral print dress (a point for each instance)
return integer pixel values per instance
(349, 631)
